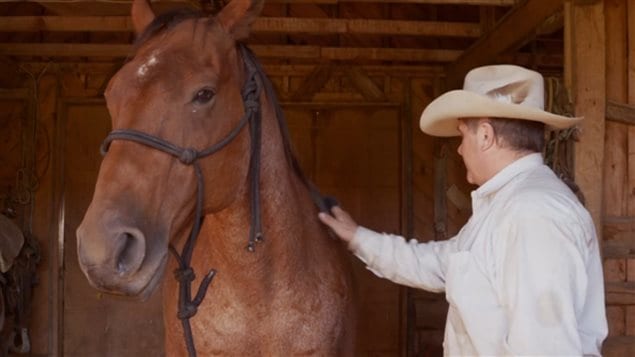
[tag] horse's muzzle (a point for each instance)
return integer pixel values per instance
(115, 260)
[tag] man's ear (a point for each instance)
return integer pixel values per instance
(485, 135)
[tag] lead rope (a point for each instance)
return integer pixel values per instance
(324, 203)
(251, 95)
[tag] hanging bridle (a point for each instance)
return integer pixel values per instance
(184, 274)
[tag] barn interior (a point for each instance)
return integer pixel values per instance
(353, 77)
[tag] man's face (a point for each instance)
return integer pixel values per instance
(469, 151)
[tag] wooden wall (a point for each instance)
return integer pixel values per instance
(353, 130)
(618, 214)
(600, 70)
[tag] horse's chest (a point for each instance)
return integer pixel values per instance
(279, 321)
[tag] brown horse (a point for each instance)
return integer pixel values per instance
(185, 88)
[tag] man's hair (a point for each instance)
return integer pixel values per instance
(515, 134)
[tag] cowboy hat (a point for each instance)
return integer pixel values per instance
(498, 91)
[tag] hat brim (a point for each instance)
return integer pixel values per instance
(440, 118)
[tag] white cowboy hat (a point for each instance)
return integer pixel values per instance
(499, 91)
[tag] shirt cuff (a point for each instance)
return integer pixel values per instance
(360, 234)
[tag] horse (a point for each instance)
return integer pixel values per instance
(199, 164)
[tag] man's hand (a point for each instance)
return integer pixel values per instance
(340, 222)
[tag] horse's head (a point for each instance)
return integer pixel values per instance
(183, 85)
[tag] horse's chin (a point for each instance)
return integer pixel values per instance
(139, 287)
(153, 283)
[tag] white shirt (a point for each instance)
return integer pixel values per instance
(522, 277)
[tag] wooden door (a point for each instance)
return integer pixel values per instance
(353, 153)
(95, 324)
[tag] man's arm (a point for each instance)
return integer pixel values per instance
(419, 265)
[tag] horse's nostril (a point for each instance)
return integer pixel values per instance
(131, 252)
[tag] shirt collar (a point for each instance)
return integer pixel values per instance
(505, 175)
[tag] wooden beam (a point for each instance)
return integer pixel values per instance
(389, 54)
(66, 23)
(280, 70)
(615, 228)
(16, 93)
(421, 57)
(615, 163)
(620, 293)
(312, 83)
(263, 25)
(263, 51)
(64, 50)
(320, 2)
(585, 77)
(619, 346)
(621, 113)
(364, 84)
(630, 150)
(437, 2)
(365, 26)
(514, 28)
(619, 249)
(109, 7)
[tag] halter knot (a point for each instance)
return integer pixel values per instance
(188, 156)
(184, 275)
(186, 311)
(252, 105)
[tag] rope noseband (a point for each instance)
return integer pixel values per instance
(184, 274)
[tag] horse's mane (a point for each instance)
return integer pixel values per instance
(169, 20)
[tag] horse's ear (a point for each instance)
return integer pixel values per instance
(142, 15)
(237, 16)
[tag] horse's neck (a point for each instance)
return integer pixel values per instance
(289, 218)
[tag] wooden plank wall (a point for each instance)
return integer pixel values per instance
(374, 98)
(605, 153)
(616, 160)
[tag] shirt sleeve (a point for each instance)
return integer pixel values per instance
(418, 265)
(543, 284)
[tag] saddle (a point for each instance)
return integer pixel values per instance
(11, 241)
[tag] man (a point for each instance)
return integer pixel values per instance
(524, 275)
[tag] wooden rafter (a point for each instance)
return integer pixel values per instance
(264, 51)
(263, 24)
(416, 56)
(364, 84)
(329, 2)
(515, 27)
(454, 2)
(313, 83)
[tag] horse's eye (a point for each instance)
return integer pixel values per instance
(203, 96)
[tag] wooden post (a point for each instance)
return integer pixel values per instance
(615, 161)
(508, 33)
(45, 314)
(630, 158)
(585, 77)
(630, 188)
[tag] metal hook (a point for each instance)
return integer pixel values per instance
(25, 346)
